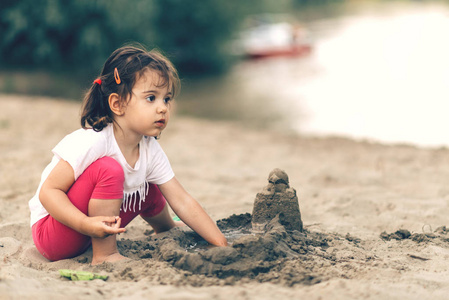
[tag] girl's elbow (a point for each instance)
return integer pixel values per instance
(43, 194)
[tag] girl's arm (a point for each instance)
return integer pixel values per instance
(53, 196)
(189, 211)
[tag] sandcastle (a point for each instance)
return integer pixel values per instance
(277, 198)
(276, 220)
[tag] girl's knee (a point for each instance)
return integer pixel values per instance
(107, 168)
(109, 177)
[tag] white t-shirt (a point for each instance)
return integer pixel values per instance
(84, 146)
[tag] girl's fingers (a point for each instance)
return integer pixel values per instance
(119, 230)
(110, 220)
(112, 230)
(111, 225)
(114, 227)
(118, 222)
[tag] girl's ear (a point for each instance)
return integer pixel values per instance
(115, 104)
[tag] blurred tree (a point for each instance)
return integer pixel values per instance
(61, 34)
(64, 33)
(315, 3)
(195, 33)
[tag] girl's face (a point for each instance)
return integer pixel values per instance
(148, 110)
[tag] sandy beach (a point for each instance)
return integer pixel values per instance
(353, 194)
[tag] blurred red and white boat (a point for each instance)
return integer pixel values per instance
(268, 39)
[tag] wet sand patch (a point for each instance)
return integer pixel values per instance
(277, 256)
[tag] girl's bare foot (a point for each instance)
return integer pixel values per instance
(109, 258)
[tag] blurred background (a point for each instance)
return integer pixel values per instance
(376, 70)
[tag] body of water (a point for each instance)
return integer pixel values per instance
(378, 71)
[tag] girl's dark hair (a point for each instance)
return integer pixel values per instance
(131, 62)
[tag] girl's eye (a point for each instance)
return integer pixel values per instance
(168, 99)
(151, 98)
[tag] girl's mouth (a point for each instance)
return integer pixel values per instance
(160, 123)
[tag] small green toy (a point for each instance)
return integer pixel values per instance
(81, 275)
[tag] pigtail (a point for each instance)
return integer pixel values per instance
(95, 113)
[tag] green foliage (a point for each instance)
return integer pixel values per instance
(61, 34)
(196, 32)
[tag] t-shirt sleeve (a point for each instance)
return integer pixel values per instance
(160, 170)
(80, 149)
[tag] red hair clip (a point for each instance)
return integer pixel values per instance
(117, 78)
(97, 81)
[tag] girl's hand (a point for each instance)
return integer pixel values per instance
(101, 226)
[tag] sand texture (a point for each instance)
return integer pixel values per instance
(373, 216)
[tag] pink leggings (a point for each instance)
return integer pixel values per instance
(103, 179)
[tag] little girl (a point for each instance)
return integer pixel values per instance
(103, 175)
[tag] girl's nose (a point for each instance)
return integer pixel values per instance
(162, 108)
